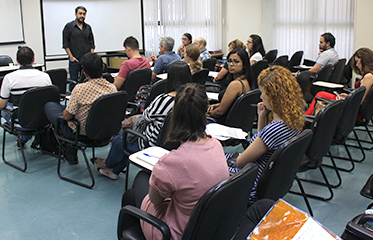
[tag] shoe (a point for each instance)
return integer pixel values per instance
(71, 159)
(95, 162)
(20, 144)
(106, 173)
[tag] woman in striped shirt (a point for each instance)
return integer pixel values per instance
(149, 123)
(283, 100)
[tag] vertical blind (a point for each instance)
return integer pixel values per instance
(173, 18)
(292, 25)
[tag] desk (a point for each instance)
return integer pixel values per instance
(7, 69)
(303, 67)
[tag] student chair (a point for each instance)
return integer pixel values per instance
(157, 88)
(323, 128)
(337, 71)
(295, 60)
(200, 76)
(278, 175)
(103, 122)
(135, 80)
(209, 64)
(257, 68)
(30, 115)
(270, 56)
(303, 78)
(281, 61)
(216, 216)
(5, 60)
(59, 78)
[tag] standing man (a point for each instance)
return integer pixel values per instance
(77, 40)
(18, 82)
(201, 43)
(327, 53)
(136, 61)
(166, 57)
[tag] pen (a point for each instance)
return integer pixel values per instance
(148, 155)
(337, 94)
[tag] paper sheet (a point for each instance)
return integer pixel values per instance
(223, 133)
(152, 155)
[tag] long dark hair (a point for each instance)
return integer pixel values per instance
(246, 68)
(188, 120)
(178, 74)
(257, 45)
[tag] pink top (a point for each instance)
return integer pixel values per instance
(133, 64)
(187, 173)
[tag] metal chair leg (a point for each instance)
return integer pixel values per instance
(72, 180)
(304, 196)
(342, 158)
(22, 169)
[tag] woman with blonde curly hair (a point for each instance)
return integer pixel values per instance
(283, 100)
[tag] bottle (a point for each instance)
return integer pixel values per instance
(224, 60)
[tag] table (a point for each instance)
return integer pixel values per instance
(7, 69)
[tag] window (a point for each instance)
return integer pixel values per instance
(292, 25)
(173, 18)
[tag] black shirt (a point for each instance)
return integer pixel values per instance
(78, 41)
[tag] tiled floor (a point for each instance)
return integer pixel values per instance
(39, 205)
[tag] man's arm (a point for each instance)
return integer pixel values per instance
(315, 68)
(67, 115)
(118, 82)
(3, 103)
(71, 57)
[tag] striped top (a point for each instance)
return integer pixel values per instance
(151, 121)
(273, 135)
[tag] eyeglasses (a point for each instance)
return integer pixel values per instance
(184, 39)
(234, 61)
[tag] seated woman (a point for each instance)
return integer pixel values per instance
(220, 78)
(180, 178)
(185, 41)
(255, 48)
(149, 123)
(283, 100)
(362, 64)
(191, 56)
(240, 72)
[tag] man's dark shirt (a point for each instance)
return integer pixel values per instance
(78, 41)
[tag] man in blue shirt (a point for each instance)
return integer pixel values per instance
(166, 57)
(201, 43)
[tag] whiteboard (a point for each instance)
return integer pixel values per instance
(112, 21)
(11, 26)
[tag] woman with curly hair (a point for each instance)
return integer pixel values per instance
(283, 100)
(362, 64)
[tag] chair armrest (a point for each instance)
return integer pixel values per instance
(136, 108)
(74, 121)
(138, 213)
(211, 119)
(324, 100)
(13, 116)
(348, 90)
(136, 133)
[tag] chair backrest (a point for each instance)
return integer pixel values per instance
(281, 169)
(257, 68)
(157, 88)
(366, 108)
(31, 106)
(323, 128)
(348, 117)
(270, 56)
(58, 78)
(162, 137)
(135, 80)
(337, 71)
(303, 79)
(219, 211)
(106, 115)
(5, 60)
(324, 73)
(209, 64)
(295, 60)
(200, 76)
(243, 111)
(281, 61)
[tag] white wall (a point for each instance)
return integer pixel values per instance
(241, 18)
(363, 35)
(32, 31)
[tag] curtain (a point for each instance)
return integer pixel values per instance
(292, 25)
(173, 18)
